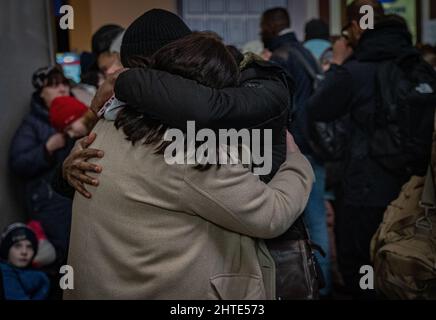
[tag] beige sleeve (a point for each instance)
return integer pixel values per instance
(235, 199)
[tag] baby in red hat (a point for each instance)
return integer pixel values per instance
(67, 115)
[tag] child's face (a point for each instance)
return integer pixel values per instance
(21, 254)
(49, 93)
(77, 129)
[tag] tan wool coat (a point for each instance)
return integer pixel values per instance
(159, 231)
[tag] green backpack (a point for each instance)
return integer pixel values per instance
(403, 250)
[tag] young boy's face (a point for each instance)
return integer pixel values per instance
(49, 93)
(21, 254)
(77, 129)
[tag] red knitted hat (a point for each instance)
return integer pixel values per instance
(64, 111)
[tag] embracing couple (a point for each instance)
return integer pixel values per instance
(152, 230)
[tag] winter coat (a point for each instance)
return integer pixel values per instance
(159, 231)
(24, 284)
(351, 89)
(298, 120)
(30, 161)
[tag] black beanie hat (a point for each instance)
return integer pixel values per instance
(16, 233)
(103, 38)
(150, 32)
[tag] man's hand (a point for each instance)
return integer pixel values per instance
(341, 51)
(105, 92)
(76, 166)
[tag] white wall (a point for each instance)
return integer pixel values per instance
(24, 33)
(428, 26)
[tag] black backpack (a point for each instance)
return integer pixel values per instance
(402, 125)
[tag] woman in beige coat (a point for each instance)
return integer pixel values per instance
(159, 231)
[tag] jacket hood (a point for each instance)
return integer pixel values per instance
(388, 40)
(254, 67)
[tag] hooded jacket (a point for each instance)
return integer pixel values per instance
(351, 89)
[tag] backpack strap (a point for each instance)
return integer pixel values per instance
(428, 199)
(428, 195)
(424, 225)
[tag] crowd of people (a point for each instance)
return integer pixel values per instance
(101, 198)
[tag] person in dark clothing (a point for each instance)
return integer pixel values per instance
(317, 39)
(35, 151)
(288, 52)
(350, 88)
(276, 34)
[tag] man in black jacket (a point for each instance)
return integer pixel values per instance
(350, 88)
(288, 52)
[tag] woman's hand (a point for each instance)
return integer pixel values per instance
(76, 165)
(291, 146)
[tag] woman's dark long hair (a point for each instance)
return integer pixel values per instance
(202, 57)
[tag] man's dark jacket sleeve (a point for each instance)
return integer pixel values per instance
(262, 98)
(332, 99)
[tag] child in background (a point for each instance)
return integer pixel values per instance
(69, 116)
(18, 248)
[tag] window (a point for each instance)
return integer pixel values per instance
(236, 21)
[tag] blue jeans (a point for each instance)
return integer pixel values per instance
(315, 217)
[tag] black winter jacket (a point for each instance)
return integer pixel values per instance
(262, 101)
(298, 119)
(350, 89)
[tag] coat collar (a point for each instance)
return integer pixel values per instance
(277, 42)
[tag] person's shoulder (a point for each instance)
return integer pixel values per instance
(3, 266)
(32, 119)
(353, 64)
(33, 275)
(259, 73)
